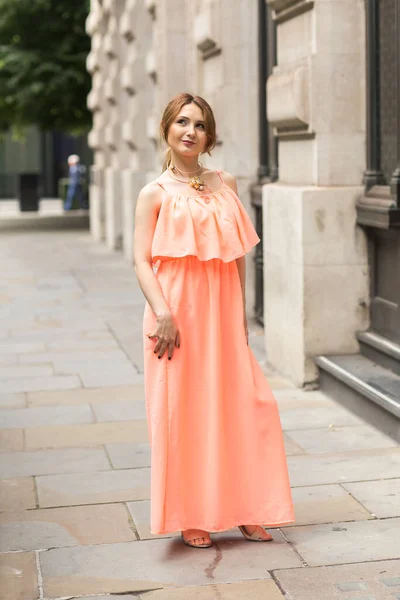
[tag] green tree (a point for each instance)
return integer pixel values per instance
(43, 77)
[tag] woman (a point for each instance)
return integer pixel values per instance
(218, 457)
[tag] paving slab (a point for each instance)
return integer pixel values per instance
(13, 371)
(85, 436)
(11, 440)
(341, 439)
(69, 360)
(140, 512)
(90, 396)
(382, 497)
(80, 345)
(8, 360)
(34, 384)
(326, 504)
(110, 377)
(12, 400)
(129, 456)
(14, 347)
(59, 527)
(245, 590)
(342, 467)
(316, 417)
(291, 448)
(292, 397)
(41, 462)
(343, 542)
(18, 576)
(45, 415)
(120, 410)
(349, 582)
(93, 487)
(17, 494)
(135, 567)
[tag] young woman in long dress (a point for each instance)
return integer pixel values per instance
(218, 458)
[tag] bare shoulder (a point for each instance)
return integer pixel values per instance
(150, 195)
(229, 180)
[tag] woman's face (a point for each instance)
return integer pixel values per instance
(186, 134)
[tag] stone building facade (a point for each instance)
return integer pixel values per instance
(287, 80)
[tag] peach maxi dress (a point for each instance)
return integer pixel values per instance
(218, 457)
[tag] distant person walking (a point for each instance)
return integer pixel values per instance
(75, 172)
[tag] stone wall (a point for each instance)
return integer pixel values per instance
(315, 256)
(143, 53)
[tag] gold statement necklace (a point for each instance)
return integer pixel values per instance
(196, 182)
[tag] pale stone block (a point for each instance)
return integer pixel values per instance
(17, 494)
(308, 418)
(32, 384)
(12, 400)
(326, 504)
(97, 201)
(288, 92)
(18, 576)
(45, 415)
(298, 162)
(338, 104)
(291, 448)
(85, 436)
(83, 396)
(122, 410)
(59, 527)
(295, 39)
(127, 456)
(326, 583)
(339, 27)
(348, 542)
(256, 590)
(11, 440)
(93, 487)
(21, 464)
(340, 158)
(340, 439)
(108, 567)
(113, 208)
(13, 371)
(205, 27)
(342, 467)
(140, 512)
(381, 497)
(132, 182)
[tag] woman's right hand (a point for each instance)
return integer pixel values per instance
(167, 335)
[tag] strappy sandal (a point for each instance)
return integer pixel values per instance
(191, 545)
(254, 537)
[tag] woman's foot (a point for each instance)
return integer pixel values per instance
(255, 533)
(196, 538)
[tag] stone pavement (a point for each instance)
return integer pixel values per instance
(74, 457)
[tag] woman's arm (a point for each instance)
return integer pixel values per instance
(146, 214)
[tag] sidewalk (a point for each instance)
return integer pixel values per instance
(74, 461)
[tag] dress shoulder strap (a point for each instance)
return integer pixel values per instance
(219, 175)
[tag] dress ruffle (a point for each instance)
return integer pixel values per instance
(208, 226)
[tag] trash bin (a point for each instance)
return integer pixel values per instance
(28, 192)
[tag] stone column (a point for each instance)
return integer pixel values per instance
(315, 257)
(96, 65)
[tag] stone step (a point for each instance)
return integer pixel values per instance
(380, 350)
(368, 389)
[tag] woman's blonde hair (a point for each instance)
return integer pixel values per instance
(172, 110)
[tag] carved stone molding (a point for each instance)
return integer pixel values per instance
(288, 106)
(109, 5)
(92, 61)
(128, 79)
(93, 20)
(111, 135)
(151, 6)
(284, 10)
(111, 90)
(93, 100)
(151, 64)
(110, 40)
(151, 127)
(128, 133)
(126, 21)
(96, 139)
(205, 31)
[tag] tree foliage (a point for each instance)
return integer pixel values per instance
(43, 77)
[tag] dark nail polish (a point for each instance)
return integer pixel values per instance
(169, 358)
(159, 357)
